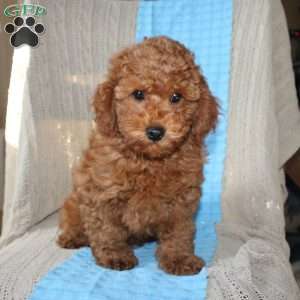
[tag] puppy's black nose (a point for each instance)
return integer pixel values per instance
(155, 133)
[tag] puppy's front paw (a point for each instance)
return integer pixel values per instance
(116, 260)
(181, 265)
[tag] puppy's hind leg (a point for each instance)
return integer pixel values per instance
(72, 233)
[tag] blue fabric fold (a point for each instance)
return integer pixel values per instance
(205, 27)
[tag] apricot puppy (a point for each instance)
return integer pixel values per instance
(141, 176)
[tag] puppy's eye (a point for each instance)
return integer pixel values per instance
(175, 98)
(138, 95)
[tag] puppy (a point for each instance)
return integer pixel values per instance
(140, 177)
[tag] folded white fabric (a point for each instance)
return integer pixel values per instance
(252, 257)
(1, 169)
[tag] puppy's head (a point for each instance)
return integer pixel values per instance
(155, 98)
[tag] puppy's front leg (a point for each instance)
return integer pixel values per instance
(108, 240)
(176, 249)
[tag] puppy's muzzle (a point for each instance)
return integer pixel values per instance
(155, 133)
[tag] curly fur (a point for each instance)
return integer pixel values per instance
(128, 189)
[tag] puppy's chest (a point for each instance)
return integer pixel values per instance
(156, 181)
(155, 196)
(151, 200)
(147, 182)
(148, 194)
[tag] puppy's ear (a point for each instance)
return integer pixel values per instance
(104, 108)
(206, 116)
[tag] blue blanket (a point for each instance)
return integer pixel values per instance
(205, 27)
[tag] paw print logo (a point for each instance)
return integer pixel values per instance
(24, 31)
